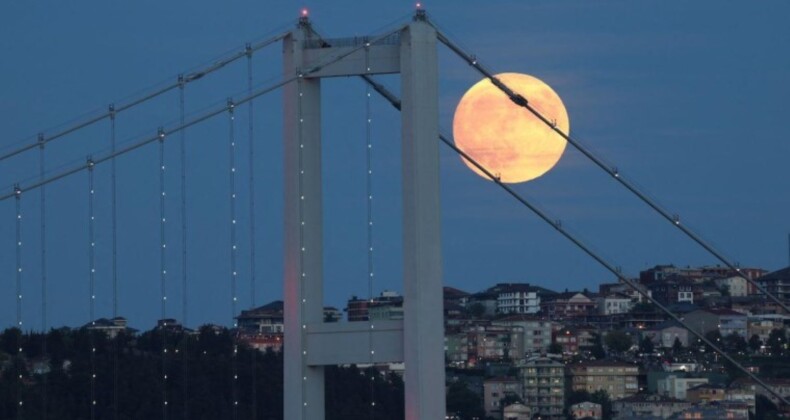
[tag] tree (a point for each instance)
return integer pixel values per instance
(555, 348)
(677, 347)
(755, 343)
(476, 310)
(463, 402)
(646, 345)
(776, 342)
(764, 408)
(602, 397)
(618, 341)
(714, 337)
(735, 343)
(597, 351)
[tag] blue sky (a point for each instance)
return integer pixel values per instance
(688, 100)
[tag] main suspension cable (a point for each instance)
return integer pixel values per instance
(581, 245)
(190, 77)
(674, 219)
(201, 118)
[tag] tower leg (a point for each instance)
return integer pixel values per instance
(303, 282)
(422, 260)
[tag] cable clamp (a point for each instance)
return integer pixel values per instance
(518, 99)
(17, 190)
(248, 49)
(41, 140)
(181, 81)
(89, 162)
(161, 134)
(111, 111)
(231, 105)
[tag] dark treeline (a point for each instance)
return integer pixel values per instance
(57, 384)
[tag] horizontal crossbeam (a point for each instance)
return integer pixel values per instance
(334, 343)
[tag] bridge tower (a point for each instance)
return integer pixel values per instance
(417, 340)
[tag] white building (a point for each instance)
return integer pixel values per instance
(518, 298)
(614, 303)
(675, 386)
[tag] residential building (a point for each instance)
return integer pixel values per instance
(536, 332)
(777, 283)
(586, 409)
(567, 340)
(467, 345)
(332, 314)
(657, 273)
(169, 324)
(543, 384)
(719, 271)
(358, 309)
(665, 334)
(618, 379)
(762, 325)
(456, 347)
(388, 310)
(486, 300)
(266, 319)
(742, 393)
(496, 389)
(676, 386)
(672, 289)
(517, 412)
(779, 385)
(713, 412)
(736, 286)
(636, 291)
(492, 342)
(112, 327)
(614, 303)
(455, 296)
(518, 298)
(567, 305)
(644, 405)
(726, 321)
(706, 393)
(263, 341)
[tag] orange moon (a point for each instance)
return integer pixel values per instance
(506, 139)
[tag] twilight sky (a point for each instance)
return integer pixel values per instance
(688, 100)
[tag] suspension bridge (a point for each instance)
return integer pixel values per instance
(308, 57)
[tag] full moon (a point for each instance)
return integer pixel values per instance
(506, 139)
